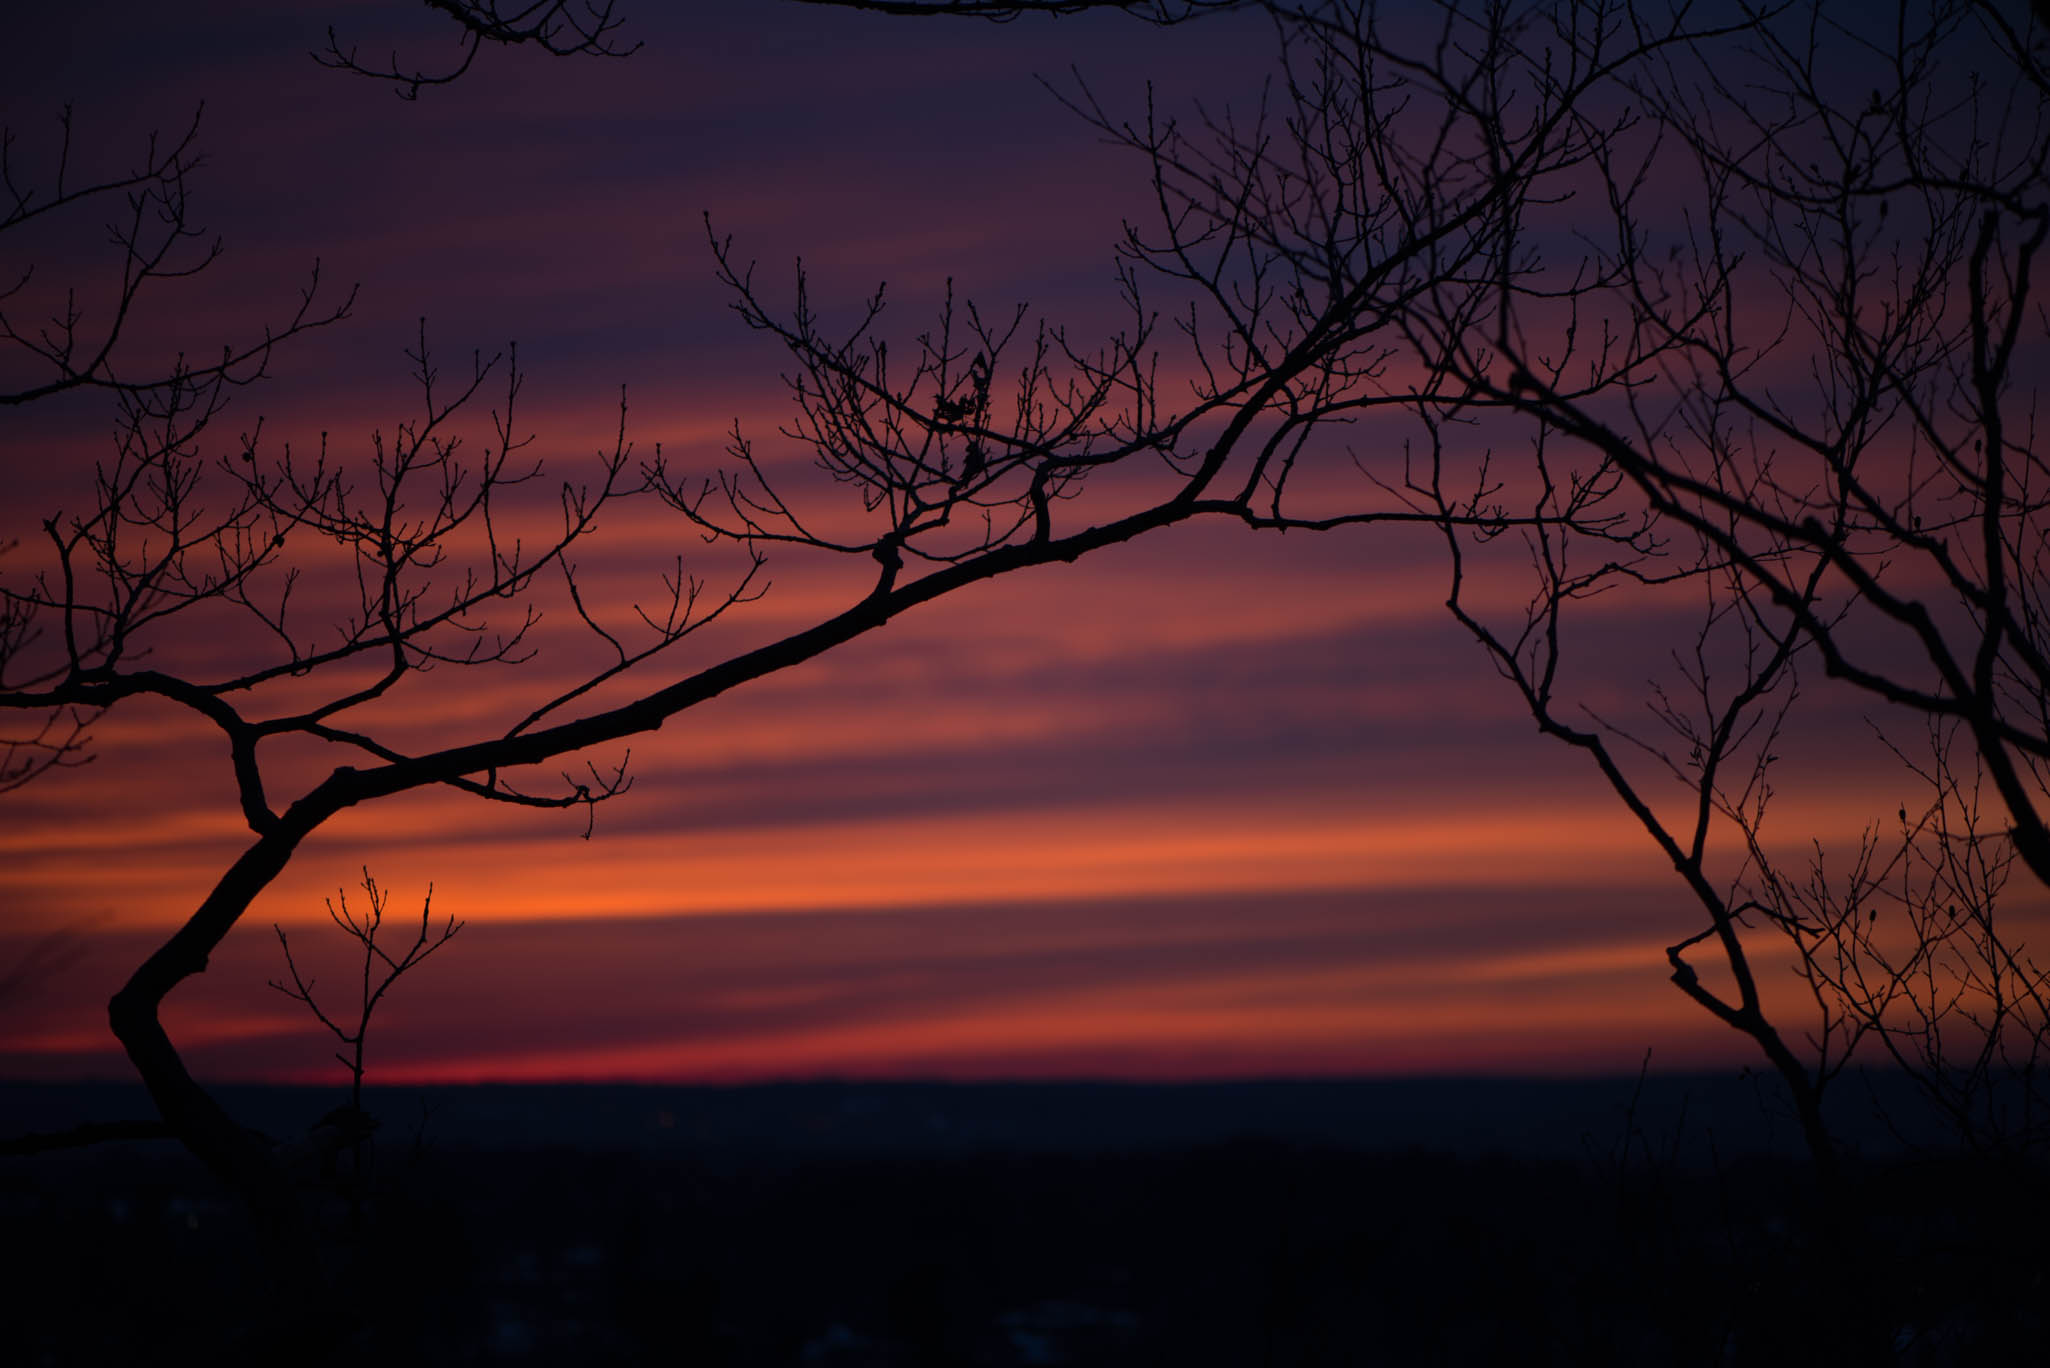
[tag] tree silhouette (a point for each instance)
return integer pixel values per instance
(560, 28)
(1821, 383)
(1381, 285)
(51, 345)
(350, 1126)
(154, 239)
(1004, 11)
(984, 444)
(1751, 289)
(1780, 323)
(1897, 201)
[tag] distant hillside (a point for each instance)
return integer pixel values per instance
(1688, 1116)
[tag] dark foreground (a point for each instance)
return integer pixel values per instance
(1369, 1224)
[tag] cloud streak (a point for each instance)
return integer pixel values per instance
(1212, 804)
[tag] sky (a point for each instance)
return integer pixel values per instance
(1213, 804)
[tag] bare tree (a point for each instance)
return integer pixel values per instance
(1873, 434)
(376, 982)
(1296, 265)
(1388, 131)
(560, 28)
(1908, 946)
(1753, 293)
(350, 1126)
(974, 451)
(1815, 379)
(1004, 11)
(53, 341)
(1302, 262)
(1822, 383)
(65, 345)
(1378, 280)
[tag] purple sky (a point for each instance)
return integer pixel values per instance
(1216, 803)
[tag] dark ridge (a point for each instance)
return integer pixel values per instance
(1687, 1118)
(1417, 1223)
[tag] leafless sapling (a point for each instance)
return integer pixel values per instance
(351, 1126)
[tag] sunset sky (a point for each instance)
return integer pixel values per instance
(1213, 804)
